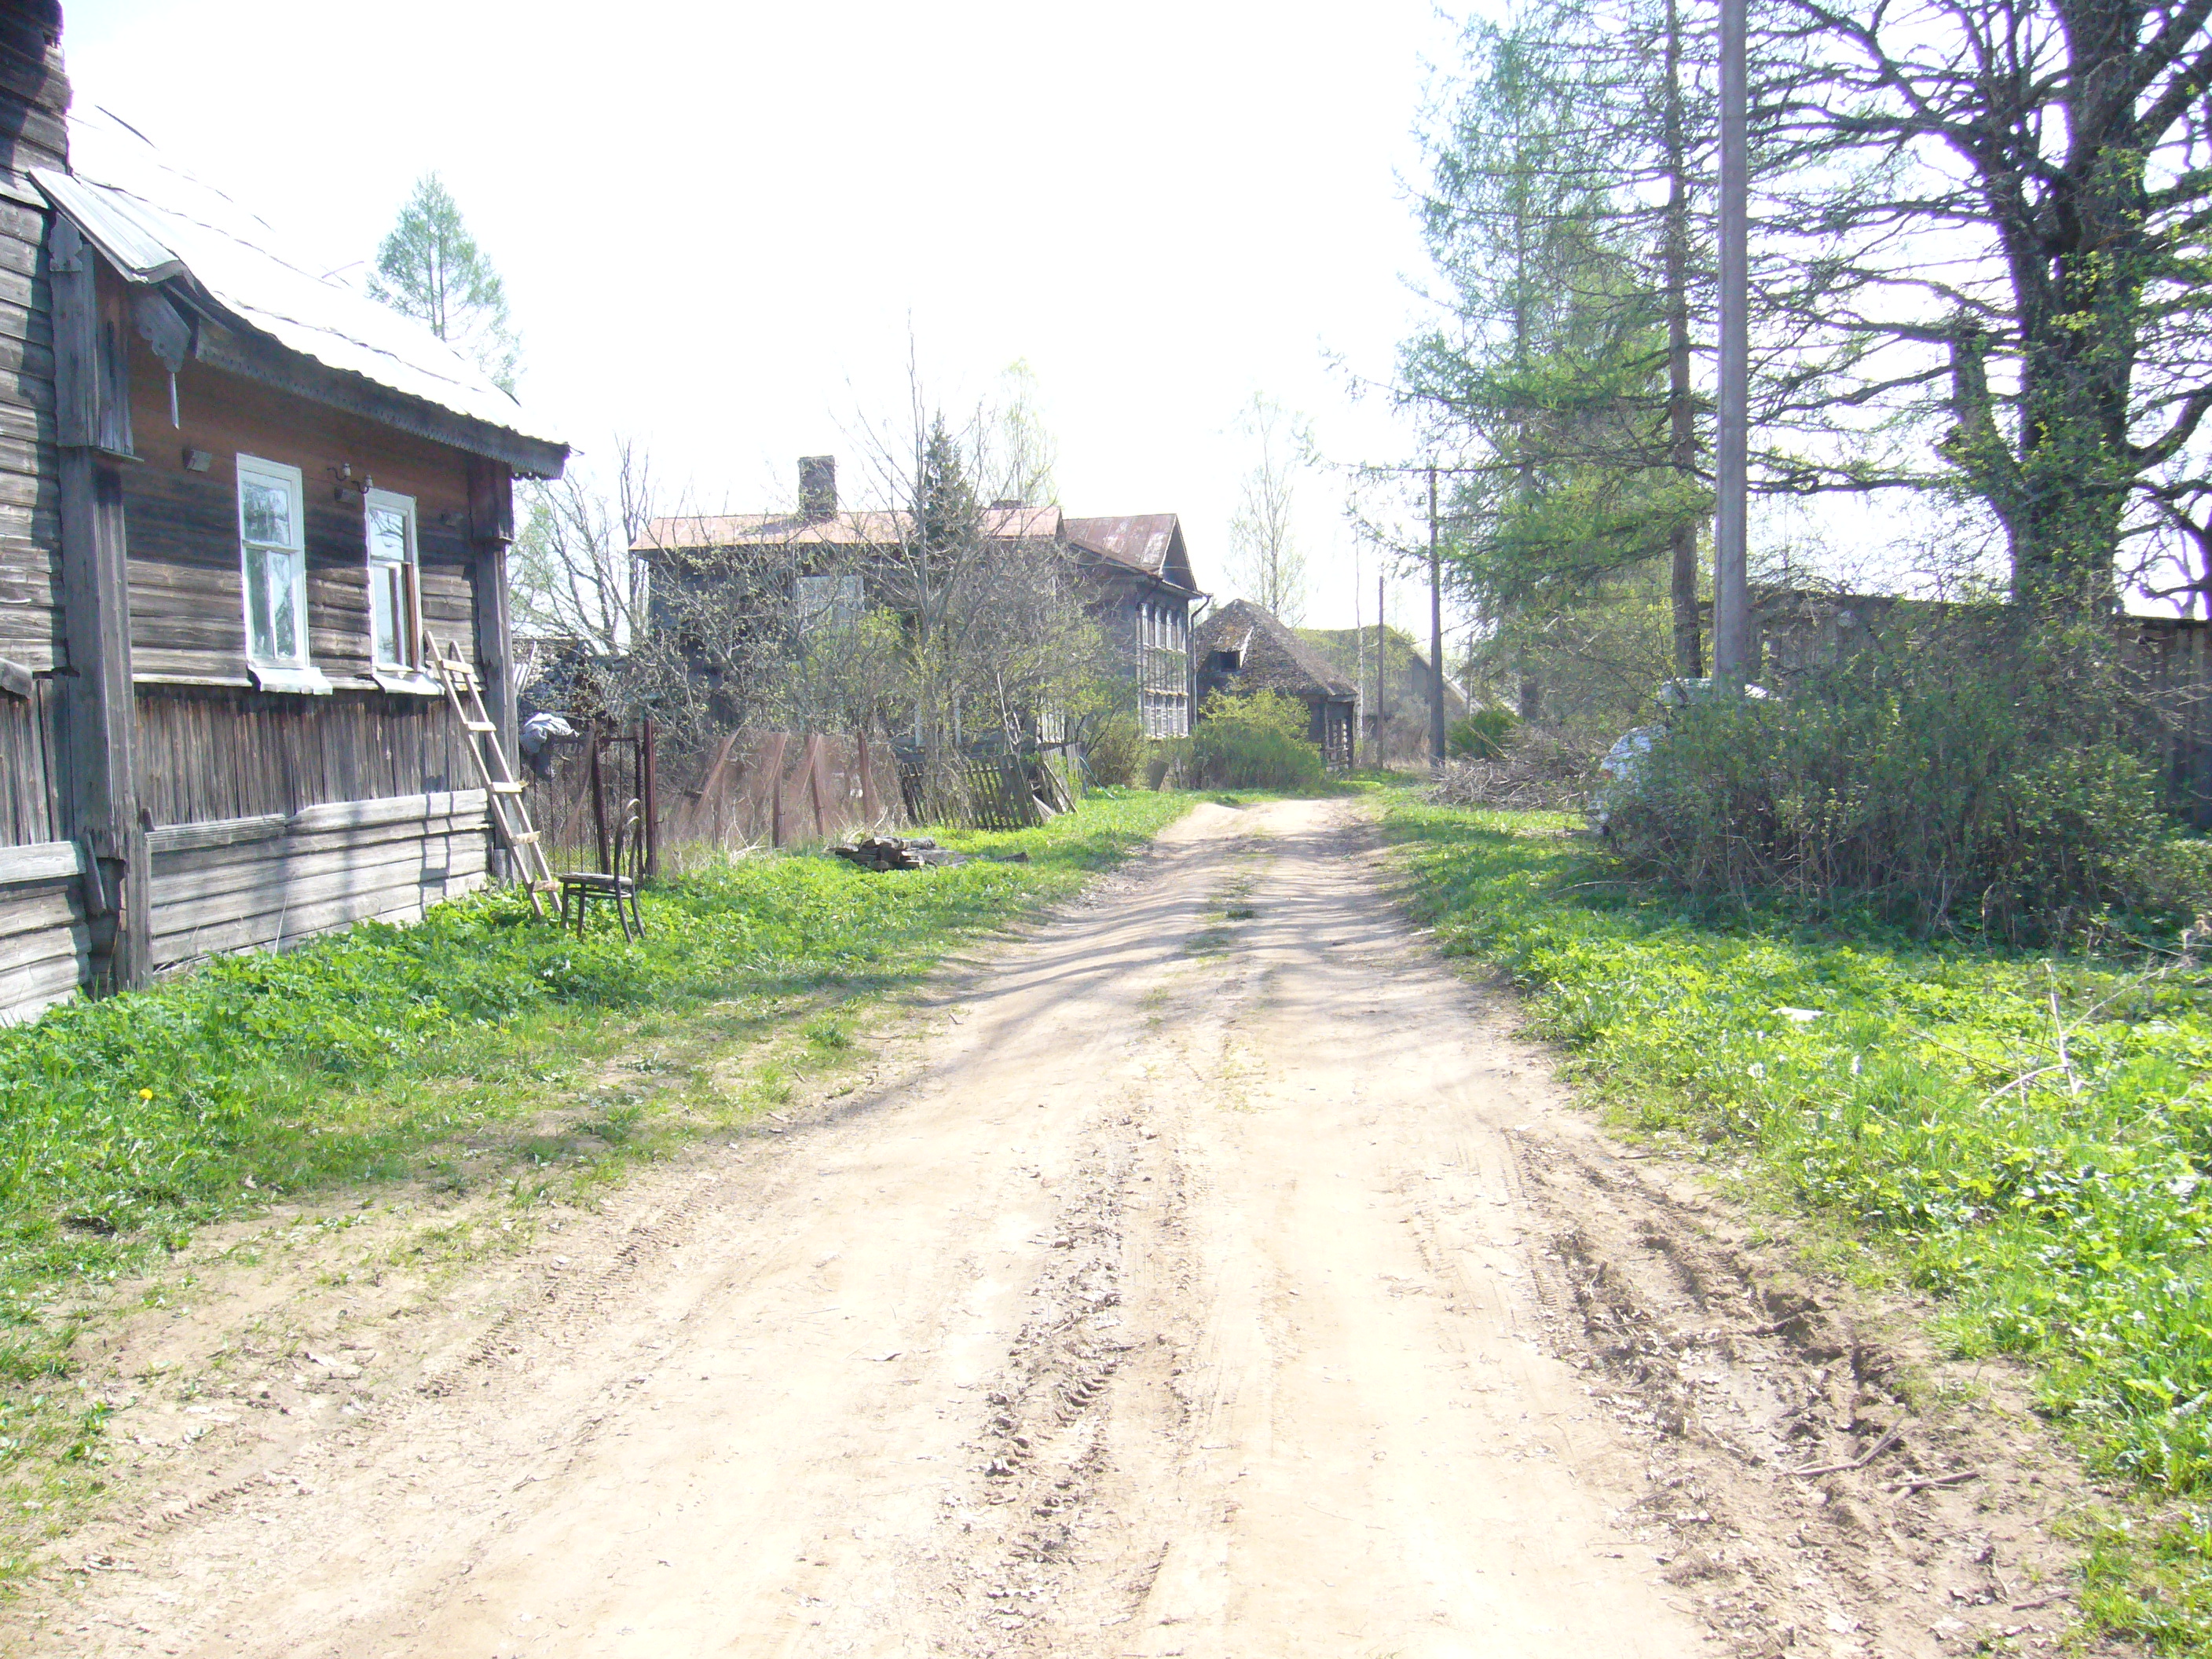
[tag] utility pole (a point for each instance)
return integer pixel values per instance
(1360, 744)
(1382, 713)
(1732, 447)
(1436, 632)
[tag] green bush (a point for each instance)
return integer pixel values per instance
(1948, 776)
(1116, 751)
(1254, 742)
(1482, 735)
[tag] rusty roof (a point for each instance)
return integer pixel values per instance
(1149, 542)
(844, 529)
(1272, 658)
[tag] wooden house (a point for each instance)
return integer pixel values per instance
(233, 498)
(1140, 570)
(1242, 649)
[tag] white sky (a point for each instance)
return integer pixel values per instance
(716, 222)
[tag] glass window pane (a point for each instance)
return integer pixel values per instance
(257, 605)
(283, 614)
(265, 510)
(387, 536)
(384, 609)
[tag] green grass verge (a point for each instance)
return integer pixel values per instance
(2029, 1138)
(382, 1052)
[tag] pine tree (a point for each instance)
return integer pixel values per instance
(431, 269)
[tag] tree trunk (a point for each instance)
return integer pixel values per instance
(1681, 408)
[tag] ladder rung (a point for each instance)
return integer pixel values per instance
(527, 838)
(480, 726)
(499, 788)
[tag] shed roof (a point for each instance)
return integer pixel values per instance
(1270, 657)
(157, 224)
(844, 529)
(1149, 542)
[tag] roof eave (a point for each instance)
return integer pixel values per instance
(237, 348)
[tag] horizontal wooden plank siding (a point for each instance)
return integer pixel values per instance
(43, 938)
(188, 620)
(33, 94)
(238, 886)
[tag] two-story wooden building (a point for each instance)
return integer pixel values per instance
(235, 500)
(1140, 569)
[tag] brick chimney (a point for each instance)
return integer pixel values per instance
(817, 486)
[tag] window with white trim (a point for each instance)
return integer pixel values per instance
(832, 601)
(395, 591)
(272, 545)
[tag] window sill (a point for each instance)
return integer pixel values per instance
(406, 682)
(303, 681)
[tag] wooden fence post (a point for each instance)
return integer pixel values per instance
(646, 767)
(775, 796)
(812, 760)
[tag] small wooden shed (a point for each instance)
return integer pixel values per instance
(234, 499)
(1242, 649)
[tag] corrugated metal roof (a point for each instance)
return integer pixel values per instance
(1140, 540)
(154, 221)
(833, 529)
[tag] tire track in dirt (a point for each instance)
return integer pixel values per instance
(1222, 1279)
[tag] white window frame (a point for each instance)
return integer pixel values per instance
(296, 672)
(407, 673)
(836, 599)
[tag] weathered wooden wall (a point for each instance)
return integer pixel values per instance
(268, 879)
(187, 605)
(213, 754)
(43, 938)
(33, 92)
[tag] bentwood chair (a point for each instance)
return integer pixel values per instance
(617, 885)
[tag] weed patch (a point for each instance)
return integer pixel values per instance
(2028, 1137)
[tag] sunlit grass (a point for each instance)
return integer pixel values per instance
(2028, 1137)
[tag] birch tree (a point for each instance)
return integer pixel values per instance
(1265, 559)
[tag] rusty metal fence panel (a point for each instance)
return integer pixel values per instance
(742, 790)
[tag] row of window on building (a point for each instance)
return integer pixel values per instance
(273, 552)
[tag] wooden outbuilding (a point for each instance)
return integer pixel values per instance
(238, 503)
(1242, 649)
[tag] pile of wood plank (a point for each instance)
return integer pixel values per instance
(896, 853)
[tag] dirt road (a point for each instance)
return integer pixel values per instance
(1220, 1279)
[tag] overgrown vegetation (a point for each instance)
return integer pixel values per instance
(363, 1056)
(2028, 1137)
(1948, 773)
(1253, 742)
(1116, 750)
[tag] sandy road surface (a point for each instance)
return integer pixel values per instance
(1224, 1281)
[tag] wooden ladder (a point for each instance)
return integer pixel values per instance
(503, 793)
